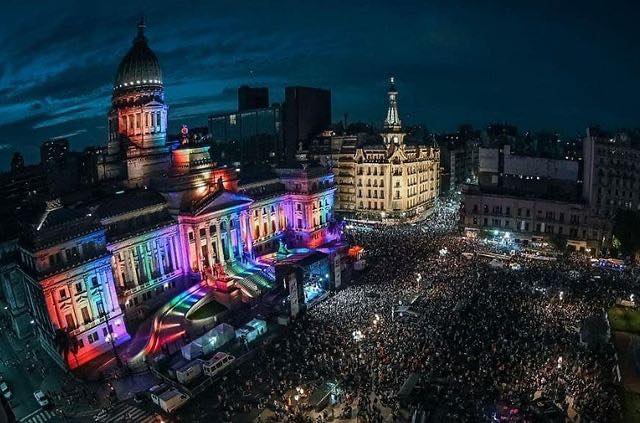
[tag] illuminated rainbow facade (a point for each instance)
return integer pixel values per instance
(91, 269)
(70, 286)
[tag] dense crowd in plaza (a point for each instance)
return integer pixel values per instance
(480, 340)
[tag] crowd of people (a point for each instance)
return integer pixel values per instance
(479, 342)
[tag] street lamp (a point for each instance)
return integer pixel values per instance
(112, 335)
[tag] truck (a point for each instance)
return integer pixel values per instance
(168, 398)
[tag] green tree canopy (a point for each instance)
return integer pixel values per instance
(627, 230)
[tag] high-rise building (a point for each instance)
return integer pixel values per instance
(54, 152)
(307, 112)
(458, 157)
(390, 181)
(250, 98)
(611, 178)
(247, 136)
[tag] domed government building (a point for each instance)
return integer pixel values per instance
(174, 227)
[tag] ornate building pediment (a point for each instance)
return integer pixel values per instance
(221, 200)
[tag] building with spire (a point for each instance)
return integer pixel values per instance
(389, 181)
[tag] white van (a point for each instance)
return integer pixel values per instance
(217, 363)
(167, 398)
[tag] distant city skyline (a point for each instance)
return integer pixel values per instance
(538, 65)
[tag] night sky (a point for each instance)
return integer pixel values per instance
(537, 64)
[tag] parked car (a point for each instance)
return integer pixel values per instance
(41, 398)
(4, 388)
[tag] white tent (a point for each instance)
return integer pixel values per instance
(209, 342)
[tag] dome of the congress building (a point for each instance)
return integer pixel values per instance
(140, 66)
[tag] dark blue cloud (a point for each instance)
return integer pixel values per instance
(539, 64)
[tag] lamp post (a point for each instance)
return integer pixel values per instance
(111, 335)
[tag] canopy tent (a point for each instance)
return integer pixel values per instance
(209, 342)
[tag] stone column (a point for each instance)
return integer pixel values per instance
(239, 236)
(219, 243)
(108, 287)
(159, 253)
(167, 249)
(132, 266)
(278, 223)
(147, 261)
(115, 266)
(249, 238)
(177, 261)
(209, 245)
(232, 254)
(53, 311)
(196, 236)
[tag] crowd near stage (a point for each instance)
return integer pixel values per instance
(432, 330)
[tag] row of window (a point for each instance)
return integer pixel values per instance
(574, 219)
(526, 227)
(72, 255)
(79, 287)
(87, 316)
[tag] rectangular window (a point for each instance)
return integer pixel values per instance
(71, 324)
(93, 337)
(63, 294)
(86, 318)
(100, 308)
(78, 287)
(94, 281)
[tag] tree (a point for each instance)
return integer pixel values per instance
(559, 242)
(626, 230)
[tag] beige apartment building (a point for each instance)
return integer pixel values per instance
(387, 182)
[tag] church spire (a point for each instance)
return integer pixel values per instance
(141, 28)
(392, 122)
